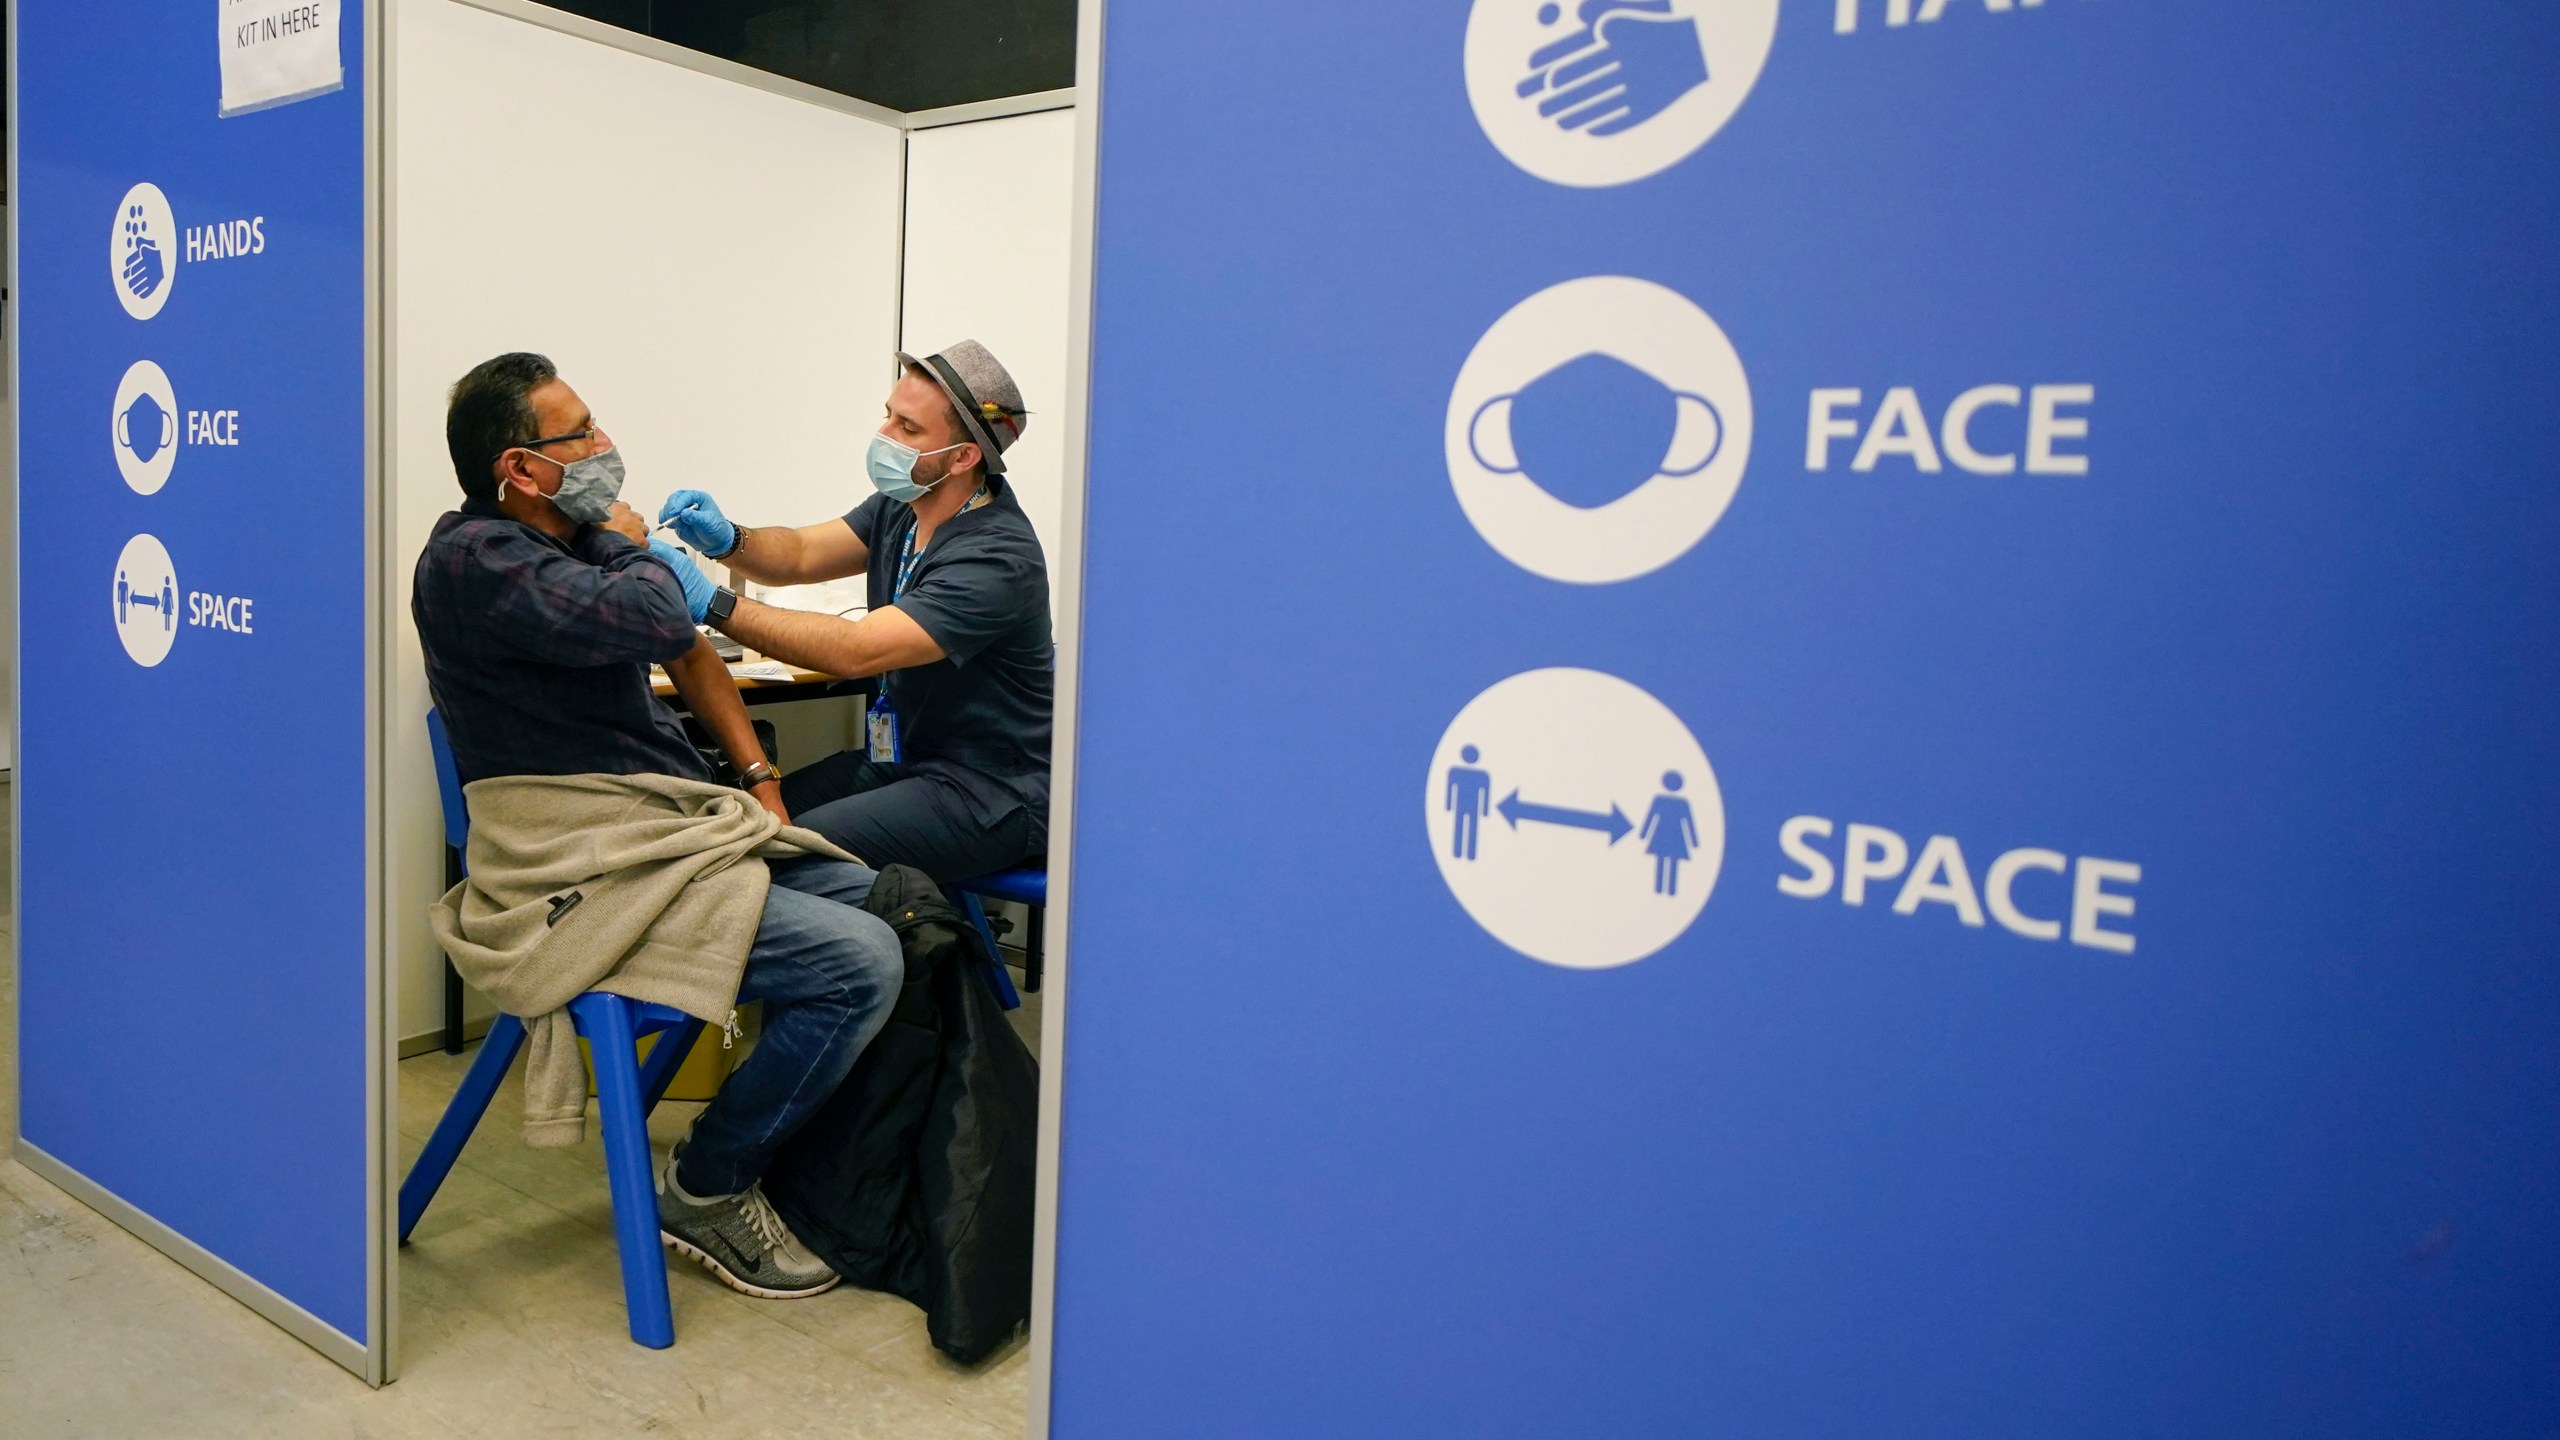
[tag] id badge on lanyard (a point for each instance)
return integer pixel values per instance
(882, 723)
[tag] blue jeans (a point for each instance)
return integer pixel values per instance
(828, 972)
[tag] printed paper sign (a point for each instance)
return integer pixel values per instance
(275, 52)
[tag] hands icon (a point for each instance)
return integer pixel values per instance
(144, 266)
(1630, 60)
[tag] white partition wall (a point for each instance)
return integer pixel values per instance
(989, 205)
(712, 265)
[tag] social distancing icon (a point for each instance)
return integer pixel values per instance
(145, 600)
(1599, 429)
(1575, 818)
(162, 602)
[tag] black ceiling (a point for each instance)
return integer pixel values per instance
(905, 54)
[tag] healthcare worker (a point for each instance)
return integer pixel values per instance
(954, 779)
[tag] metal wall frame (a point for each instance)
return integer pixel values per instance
(1065, 728)
(1000, 108)
(17, 590)
(382, 1041)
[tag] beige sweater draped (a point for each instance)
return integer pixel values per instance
(645, 886)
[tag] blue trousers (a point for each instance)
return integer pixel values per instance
(828, 972)
(893, 815)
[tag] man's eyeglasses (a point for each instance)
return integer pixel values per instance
(585, 434)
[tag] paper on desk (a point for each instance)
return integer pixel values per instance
(761, 670)
(843, 600)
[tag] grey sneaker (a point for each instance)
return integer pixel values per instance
(740, 1239)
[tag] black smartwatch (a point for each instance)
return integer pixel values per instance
(723, 601)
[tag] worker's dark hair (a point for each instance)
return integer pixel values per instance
(488, 411)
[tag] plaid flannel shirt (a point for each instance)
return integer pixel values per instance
(538, 650)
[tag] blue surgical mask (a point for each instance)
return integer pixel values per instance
(588, 487)
(893, 468)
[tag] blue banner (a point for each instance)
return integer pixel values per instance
(192, 596)
(1818, 720)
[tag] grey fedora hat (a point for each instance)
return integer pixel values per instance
(982, 390)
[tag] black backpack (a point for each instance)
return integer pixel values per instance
(917, 1175)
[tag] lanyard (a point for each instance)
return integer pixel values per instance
(882, 726)
(907, 549)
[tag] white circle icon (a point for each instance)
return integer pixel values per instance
(142, 251)
(1599, 430)
(144, 427)
(146, 600)
(1603, 92)
(1575, 818)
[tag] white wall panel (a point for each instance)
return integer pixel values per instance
(712, 266)
(988, 207)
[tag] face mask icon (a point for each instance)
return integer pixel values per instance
(1593, 430)
(146, 429)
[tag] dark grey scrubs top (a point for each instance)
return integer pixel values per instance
(980, 715)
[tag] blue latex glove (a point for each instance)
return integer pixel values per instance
(697, 586)
(697, 518)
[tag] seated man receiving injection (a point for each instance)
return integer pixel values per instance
(602, 855)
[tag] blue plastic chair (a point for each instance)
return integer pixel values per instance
(627, 1089)
(1028, 886)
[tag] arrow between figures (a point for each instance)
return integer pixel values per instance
(1615, 824)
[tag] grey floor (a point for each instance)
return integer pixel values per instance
(511, 1310)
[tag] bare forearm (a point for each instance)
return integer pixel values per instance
(708, 690)
(769, 555)
(781, 555)
(884, 640)
(705, 685)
